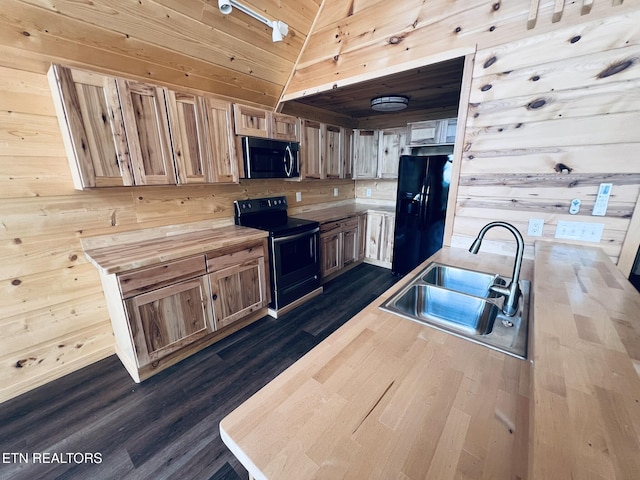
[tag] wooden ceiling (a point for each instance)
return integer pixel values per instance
(433, 91)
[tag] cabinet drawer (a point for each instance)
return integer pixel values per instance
(349, 223)
(146, 279)
(225, 258)
(330, 227)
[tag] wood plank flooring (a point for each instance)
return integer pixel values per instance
(167, 427)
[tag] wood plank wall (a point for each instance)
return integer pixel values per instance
(53, 316)
(551, 86)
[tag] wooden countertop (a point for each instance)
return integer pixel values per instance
(385, 397)
(335, 213)
(123, 256)
(586, 367)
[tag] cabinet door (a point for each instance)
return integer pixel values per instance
(220, 141)
(380, 237)
(147, 126)
(330, 253)
(365, 154)
(238, 290)
(90, 118)
(251, 121)
(449, 127)
(347, 153)
(428, 132)
(285, 127)
(311, 146)
(350, 243)
(165, 320)
(393, 143)
(333, 151)
(188, 138)
(362, 235)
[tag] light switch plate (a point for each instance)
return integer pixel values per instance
(335, 192)
(584, 231)
(298, 196)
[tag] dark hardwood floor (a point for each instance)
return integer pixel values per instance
(167, 426)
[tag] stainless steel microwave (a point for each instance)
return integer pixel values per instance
(265, 158)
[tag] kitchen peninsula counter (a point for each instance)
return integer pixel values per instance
(385, 397)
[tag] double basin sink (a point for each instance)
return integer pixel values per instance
(460, 302)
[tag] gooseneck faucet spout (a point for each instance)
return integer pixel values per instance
(512, 291)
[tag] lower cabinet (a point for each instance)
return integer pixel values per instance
(238, 284)
(163, 313)
(340, 245)
(380, 235)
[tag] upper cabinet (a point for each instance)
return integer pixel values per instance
(147, 126)
(391, 144)
(120, 132)
(256, 122)
(92, 127)
(325, 150)
(433, 132)
(365, 153)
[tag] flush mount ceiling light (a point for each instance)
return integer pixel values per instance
(390, 103)
(280, 29)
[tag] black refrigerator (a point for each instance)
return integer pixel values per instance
(421, 206)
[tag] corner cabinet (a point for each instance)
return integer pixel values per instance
(165, 312)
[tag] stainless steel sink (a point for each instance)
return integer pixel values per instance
(461, 280)
(459, 301)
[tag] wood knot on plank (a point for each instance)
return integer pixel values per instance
(615, 68)
(496, 6)
(395, 40)
(486, 87)
(490, 62)
(15, 282)
(537, 103)
(575, 39)
(562, 168)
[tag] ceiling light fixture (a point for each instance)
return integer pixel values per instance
(280, 29)
(389, 103)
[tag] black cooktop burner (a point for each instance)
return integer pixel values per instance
(270, 214)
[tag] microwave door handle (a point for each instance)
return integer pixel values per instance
(288, 169)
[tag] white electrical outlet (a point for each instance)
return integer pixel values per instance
(298, 196)
(335, 192)
(602, 200)
(368, 192)
(535, 227)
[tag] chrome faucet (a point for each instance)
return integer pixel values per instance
(512, 291)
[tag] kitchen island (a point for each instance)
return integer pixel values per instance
(384, 397)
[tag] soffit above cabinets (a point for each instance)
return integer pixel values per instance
(433, 91)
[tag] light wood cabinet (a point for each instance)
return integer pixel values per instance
(311, 148)
(188, 138)
(347, 153)
(90, 117)
(333, 151)
(147, 126)
(251, 121)
(380, 237)
(340, 245)
(167, 307)
(257, 122)
(365, 154)
(220, 141)
(238, 281)
(285, 127)
(433, 132)
(362, 236)
(391, 144)
(165, 312)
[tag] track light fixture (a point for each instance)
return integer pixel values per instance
(280, 29)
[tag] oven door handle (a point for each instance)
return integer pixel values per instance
(296, 236)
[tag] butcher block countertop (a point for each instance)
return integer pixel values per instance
(137, 250)
(339, 212)
(387, 398)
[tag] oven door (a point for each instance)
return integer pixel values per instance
(295, 266)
